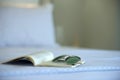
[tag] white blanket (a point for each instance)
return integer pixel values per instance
(100, 65)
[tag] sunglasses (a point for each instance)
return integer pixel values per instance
(69, 60)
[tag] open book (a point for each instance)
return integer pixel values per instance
(46, 58)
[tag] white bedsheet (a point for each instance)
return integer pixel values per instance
(100, 65)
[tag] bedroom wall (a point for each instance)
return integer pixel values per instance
(118, 29)
(68, 19)
(87, 23)
(101, 24)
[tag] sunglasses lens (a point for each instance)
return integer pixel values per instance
(72, 60)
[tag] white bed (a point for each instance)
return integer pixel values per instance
(100, 65)
(21, 33)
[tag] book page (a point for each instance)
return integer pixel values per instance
(36, 58)
(40, 57)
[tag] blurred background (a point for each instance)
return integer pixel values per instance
(84, 23)
(88, 23)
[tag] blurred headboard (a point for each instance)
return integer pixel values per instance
(24, 4)
(27, 26)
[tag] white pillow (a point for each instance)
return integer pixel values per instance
(27, 26)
